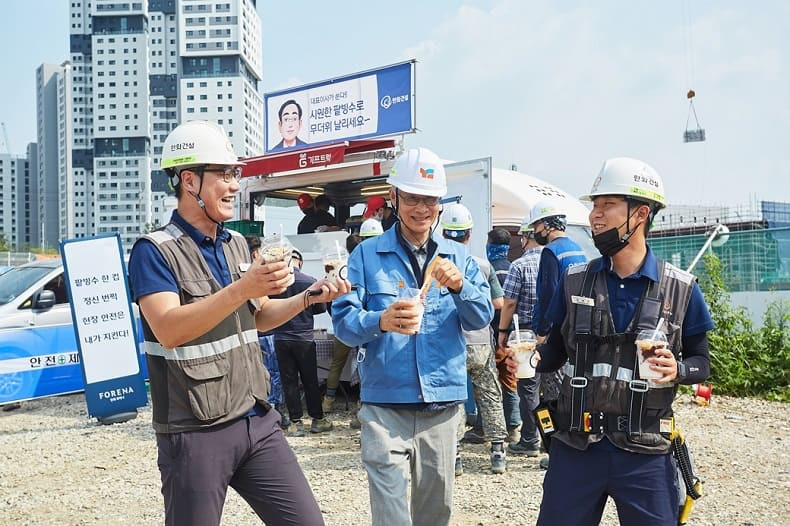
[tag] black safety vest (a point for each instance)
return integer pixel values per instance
(602, 394)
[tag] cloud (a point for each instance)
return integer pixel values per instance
(557, 90)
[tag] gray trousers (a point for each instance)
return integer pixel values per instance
(398, 444)
(250, 455)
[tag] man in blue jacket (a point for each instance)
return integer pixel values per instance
(413, 371)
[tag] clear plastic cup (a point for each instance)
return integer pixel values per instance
(276, 247)
(412, 294)
(335, 264)
(523, 344)
(647, 342)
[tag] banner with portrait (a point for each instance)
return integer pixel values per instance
(369, 104)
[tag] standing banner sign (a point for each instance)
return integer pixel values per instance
(368, 104)
(104, 324)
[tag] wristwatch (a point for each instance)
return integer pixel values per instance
(682, 372)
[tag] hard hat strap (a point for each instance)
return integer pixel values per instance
(200, 172)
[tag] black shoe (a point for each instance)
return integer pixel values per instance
(521, 448)
(474, 436)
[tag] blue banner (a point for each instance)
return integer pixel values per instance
(40, 362)
(363, 105)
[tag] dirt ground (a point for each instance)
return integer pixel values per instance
(60, 467)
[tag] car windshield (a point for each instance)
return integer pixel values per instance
(18, 280)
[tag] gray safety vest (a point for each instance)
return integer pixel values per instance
(484, 335)
(608, 390)
(217, 377)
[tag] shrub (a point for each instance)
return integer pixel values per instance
(746, 361)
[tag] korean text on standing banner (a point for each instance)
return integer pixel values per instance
(363, 105)
(104, 324)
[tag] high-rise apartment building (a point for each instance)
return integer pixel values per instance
(137, 69)
(53, 156)
(14, 194)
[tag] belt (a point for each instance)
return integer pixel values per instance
(598, 422)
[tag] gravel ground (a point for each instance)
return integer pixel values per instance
(59, 467)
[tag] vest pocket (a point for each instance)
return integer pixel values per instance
(195, 290)
(208, 386)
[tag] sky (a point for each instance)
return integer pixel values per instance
(554, 87)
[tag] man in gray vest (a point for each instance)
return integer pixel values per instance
(202, 303)
(612, 423)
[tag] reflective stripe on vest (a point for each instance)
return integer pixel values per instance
(203, 350)
(604, 370)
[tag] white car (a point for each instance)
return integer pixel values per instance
(34, 294)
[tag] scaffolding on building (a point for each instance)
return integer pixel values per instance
(756, 254)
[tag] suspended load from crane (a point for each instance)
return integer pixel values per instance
(697, 134)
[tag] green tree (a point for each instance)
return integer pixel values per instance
(4, 247)
(745, 361)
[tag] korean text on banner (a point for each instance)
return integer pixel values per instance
(104, 324)
(363, 105)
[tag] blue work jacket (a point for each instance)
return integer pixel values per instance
(423, 368)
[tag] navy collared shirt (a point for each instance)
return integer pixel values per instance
(625, 293)
(149, 273)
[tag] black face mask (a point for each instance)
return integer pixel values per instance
(610, 243)
(541, 239)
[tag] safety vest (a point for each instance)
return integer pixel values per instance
(602, 394)
(484, 335)
(217, 377)
(567, 252)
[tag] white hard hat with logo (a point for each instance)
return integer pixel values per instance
(196, 143)
(526, 225)
(456, 217)
(545, 209)
(631, 178)
(419, 171)
(370, 228)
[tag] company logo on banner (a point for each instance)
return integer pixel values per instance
(363, 105)
(104, 325)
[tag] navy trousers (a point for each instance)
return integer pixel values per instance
(577, 484)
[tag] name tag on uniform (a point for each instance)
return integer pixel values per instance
(244, 267)
(581, 300)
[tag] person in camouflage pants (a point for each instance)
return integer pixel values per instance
(456, 222)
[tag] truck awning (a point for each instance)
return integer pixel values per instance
(311, 157)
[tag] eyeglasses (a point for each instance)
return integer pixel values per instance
(228, 174)
(414, 200)
(290, 118)
(528, 235)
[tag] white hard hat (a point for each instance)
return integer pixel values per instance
(544, 209)
(370, 228)
(627, 177)
(526, 225)
(456, 217)
(419, 171)
(196, 143)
